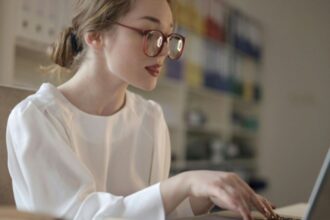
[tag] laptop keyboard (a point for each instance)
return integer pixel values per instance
(285, 218)
(279, 218)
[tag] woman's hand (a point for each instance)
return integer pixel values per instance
(226, 190)
(229, 191)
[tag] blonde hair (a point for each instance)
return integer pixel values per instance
(96, 16)
(89, 16)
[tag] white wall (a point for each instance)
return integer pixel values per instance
(6, 42)
(295, 119)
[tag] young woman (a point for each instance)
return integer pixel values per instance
(90, 149)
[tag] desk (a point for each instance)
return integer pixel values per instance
(296, 211)
(10, 213)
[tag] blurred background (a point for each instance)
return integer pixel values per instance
(250, 94)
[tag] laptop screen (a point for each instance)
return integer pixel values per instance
(320, 197)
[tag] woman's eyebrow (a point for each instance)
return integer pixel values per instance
(153, 19)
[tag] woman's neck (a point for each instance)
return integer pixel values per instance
(96, 93)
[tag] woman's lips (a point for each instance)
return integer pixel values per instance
(153, 70)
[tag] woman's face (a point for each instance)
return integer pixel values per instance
(123, 48)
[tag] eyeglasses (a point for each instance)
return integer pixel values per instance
(154, 40)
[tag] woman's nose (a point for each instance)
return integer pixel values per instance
(165, 50)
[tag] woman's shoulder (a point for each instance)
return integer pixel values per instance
(41, 100)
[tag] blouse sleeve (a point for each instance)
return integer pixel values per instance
(161, 166)
(48, 177)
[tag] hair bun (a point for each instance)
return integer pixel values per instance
(75, 43)
(65, 48)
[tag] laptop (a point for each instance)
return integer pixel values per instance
(319, 201)
(318, 207)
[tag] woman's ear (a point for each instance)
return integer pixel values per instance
(93, 40)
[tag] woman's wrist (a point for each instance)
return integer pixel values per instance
(200, 205)
(174, 190)
(186, 181)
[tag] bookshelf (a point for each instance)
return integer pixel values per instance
(210, 98)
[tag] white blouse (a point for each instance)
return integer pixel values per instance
(72, 164)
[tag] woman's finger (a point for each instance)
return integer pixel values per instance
(250, 197)
(239, 198)
(235, 194)
(259, 202)
(268, 205)
(244, 210)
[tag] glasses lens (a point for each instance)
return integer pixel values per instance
(154, 42)
(176, 44)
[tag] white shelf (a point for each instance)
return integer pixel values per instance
(248, 163)
(38, 48)
(209, 129)
(244, 132)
